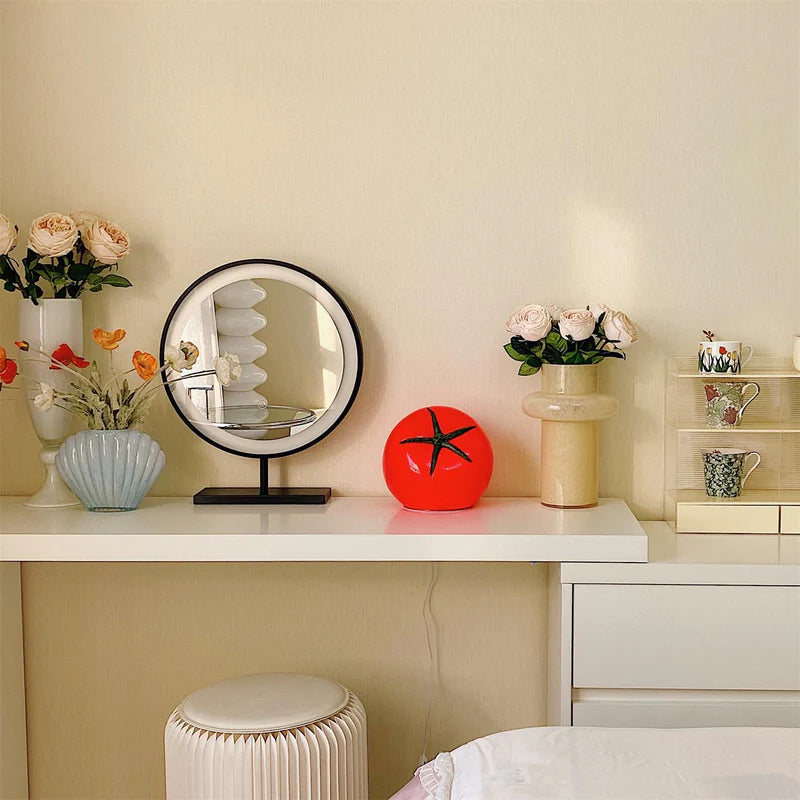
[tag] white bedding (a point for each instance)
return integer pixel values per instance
(619, 764)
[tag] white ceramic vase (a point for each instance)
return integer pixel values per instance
(570, 407)
(110, 470)
(45, 326)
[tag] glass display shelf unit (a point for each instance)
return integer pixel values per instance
(757, 367)
(770, 426)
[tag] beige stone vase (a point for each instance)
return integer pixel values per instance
(570, 407)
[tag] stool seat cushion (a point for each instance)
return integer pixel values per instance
(263, 703)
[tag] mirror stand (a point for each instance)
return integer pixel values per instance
(313, 361)
(264, 494)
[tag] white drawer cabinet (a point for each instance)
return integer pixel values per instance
(686, 637)
(682, 641)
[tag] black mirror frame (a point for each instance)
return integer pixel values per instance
(359, 355)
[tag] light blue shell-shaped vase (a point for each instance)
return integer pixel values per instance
(110, 470)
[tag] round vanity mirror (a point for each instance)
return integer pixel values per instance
(300, 357)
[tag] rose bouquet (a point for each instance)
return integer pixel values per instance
(108, 402)
(552, 335)
(71, 252)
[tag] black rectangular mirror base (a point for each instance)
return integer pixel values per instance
(252, 495)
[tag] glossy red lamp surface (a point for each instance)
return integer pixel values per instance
(437, 459)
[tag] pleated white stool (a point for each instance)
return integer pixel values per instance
(268, 737)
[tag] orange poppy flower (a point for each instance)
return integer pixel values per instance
(8, 368)
(64, 354)
(145, 365)
(108, 340)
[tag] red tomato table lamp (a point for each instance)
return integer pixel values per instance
(437, 459)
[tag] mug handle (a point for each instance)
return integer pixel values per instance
(749, 399)
(750, 471)
(749, 355)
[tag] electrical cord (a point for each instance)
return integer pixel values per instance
(430, 638)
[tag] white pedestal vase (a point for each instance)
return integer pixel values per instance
(45, 326)
(570, 407)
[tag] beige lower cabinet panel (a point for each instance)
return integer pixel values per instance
(686, 637)
(657, 713)
(726, 518)
(790, 519)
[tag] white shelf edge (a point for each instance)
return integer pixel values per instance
(347, 529)
(758, 497)
(731, 431)
(739, 376)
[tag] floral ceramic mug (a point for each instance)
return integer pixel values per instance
(725, 402)
(723, 470)
(722, 357)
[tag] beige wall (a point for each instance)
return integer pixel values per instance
(112, 649)
(438, 164)
(13, 759)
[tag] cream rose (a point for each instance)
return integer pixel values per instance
(554, 311)
(228, 368)
(619, 328)
(106, 241)
(578, 323)
(52, 235)
(8, 235)
(83, 219)
(531, 322)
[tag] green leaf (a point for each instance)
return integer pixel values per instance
(516, 355)
(556, 341)
(527, 369)
(521, 345)
(78, 271)
(551, 355)
(116, 280)
(573, 357)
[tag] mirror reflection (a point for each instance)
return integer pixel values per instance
(290, 352)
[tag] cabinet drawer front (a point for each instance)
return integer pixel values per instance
(675, 714)
(686, 637)
(790, 519)
(726, 518)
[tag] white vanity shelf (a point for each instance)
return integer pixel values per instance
(346, 529)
